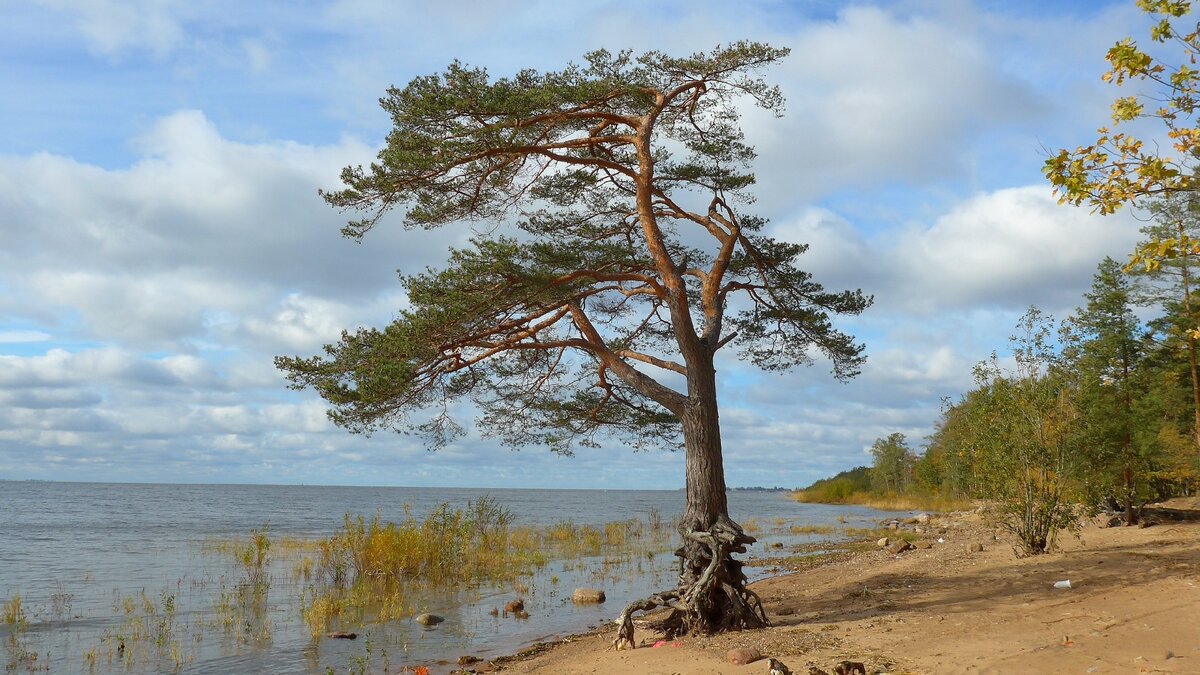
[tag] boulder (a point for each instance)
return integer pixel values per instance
(922, 518)
(897, 547)
(922, 544)
(428, 619)
(882, 543)
(740, 657)
(588, 595)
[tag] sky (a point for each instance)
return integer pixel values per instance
(162, 240)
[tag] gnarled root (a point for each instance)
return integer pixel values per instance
(624, 637)
(712, 595)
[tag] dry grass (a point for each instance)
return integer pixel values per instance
(892, 502)
(812, 529)
(367, 567)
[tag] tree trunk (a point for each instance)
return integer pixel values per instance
(712, 594)
(1130, 514)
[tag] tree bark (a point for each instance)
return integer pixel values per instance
(712, 594)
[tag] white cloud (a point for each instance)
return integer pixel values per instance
(20, 336)
(114, 26)
(1012, 247)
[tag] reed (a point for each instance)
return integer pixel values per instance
(13, 614)
(365, 568)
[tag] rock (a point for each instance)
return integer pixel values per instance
(977, 548)
(813, 670)
(893, 525)
(1145, 522)
(922, 544)
(514, 606)
(1113, 521)
(740, 657)
(588, 595)
(922, 518)
(882, 543)
(897, 547)
(919, 530)
(778, 544)
(849, 668)
(342, 635)
(786, 611)
(468, 660)
(428, 619)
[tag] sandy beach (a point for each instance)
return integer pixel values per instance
(1131, 608)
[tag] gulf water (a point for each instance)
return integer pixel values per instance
(79, 555)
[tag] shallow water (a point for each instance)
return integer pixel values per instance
(98, 565)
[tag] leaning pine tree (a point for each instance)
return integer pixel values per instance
(631, 267)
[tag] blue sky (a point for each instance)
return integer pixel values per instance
(163, 240)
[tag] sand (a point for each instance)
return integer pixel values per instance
(1133, 607)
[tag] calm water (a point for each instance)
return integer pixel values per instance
(84, 557)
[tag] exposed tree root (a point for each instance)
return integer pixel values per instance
(712, 596)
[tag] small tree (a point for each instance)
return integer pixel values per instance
(633, 264)
(893, 463)
(1017, 432)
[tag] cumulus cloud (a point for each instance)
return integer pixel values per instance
(1012, 248)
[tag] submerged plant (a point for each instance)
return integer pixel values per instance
(13, 614)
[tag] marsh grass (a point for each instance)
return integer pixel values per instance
(832, 494)
(13, 615)
(367, 569)
(871, 534)
(149, 635)
(812, 529)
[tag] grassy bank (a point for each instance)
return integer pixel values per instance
(883, 502)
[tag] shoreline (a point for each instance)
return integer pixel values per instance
(946, 609)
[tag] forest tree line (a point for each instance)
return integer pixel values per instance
(1100, 409)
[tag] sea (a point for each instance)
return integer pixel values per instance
(124, 578)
